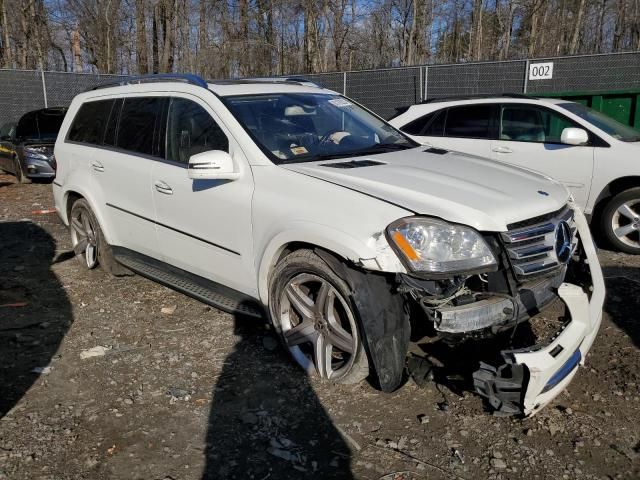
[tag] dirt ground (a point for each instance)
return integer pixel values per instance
(197, 393)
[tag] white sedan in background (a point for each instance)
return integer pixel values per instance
(596, 157)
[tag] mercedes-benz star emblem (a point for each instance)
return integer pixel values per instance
(563, 242)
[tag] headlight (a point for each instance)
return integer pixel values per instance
(35, 153)
(435, 246)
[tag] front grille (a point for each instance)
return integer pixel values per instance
(535, 248)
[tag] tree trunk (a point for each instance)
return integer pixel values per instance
(155, 53)
(7, 53)
(618, 33)
(577, 27)
(142, 60)
(76, 50)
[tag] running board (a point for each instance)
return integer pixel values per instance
(207, 291)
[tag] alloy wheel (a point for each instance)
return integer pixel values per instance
(625, 223)
(318, 326)
(83, 237)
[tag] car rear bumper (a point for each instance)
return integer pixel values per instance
(532, 377)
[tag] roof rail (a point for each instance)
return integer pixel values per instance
(299, 80)
(161, 77)
(477, 96)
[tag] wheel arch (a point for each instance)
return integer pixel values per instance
(612, 189)
(73, 194)
(287, 242)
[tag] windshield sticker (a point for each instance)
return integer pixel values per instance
(299, 150)
(340, 102)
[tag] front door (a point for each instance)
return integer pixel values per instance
(529, 136)
(204, 226)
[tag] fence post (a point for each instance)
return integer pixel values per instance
(44, 88)
(420, 85)
(426, 81)
(344, 83)
(526, 76)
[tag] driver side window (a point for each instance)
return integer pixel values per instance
(530, 123)
(191, 130)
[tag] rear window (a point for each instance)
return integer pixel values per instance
(137, 124)
(468, 122)
(90, 122)
(416, 126)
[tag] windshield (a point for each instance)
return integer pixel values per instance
(606, 124)
(303, 127)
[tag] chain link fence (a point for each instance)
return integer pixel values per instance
(24, 90)
(381, 90)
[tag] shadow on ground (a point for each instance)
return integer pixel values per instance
(266, 421)
(35, 312)
(623, 299)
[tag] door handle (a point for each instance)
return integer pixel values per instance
(163, 188)
(502, 150)
(97, 166)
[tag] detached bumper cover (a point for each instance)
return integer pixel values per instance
(533, 377)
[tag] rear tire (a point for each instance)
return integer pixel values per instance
(89, 245)
(311, 308)
(621, 221)
(22, 178)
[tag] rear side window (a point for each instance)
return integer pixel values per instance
(416, 126)
(469, 122)
(138, 124)
(90, 122)
(191, 130)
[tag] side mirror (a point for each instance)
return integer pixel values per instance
(574, 136)
(212, 165)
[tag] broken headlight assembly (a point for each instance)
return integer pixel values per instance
(432, 246)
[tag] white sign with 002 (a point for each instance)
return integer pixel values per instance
(541, 71)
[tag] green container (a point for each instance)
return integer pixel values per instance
(623, 106)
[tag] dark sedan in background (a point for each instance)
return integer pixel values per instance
(26, 148)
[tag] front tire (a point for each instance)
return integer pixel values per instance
(621, 221)
(311, 308)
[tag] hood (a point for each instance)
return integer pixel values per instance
(453, 186)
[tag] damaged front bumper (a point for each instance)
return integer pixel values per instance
(531, 377)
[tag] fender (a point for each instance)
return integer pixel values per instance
(323, 236)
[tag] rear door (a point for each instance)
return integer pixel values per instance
(467, 128)
(529, 136)
(122, 172)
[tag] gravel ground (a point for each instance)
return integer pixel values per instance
(183, 391)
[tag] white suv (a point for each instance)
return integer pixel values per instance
(291, 199)
(596, 157)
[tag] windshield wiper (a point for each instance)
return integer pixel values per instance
(377, 148)
(373, 149)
